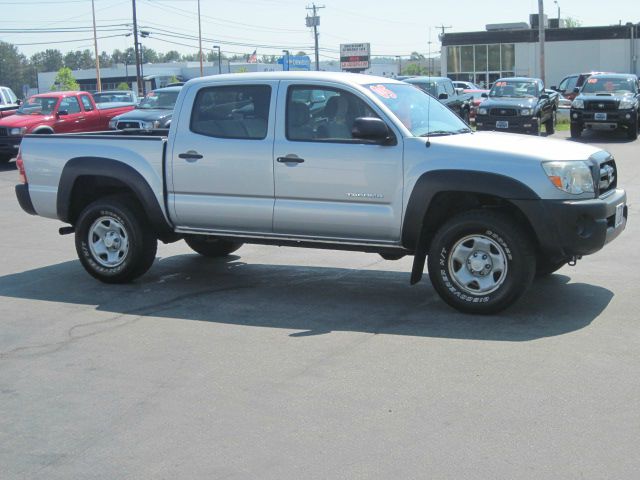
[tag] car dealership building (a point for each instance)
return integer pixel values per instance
(514, 50)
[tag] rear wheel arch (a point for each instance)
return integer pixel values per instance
(86, 179)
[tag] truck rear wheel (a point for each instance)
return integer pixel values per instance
(212, 247)
(481, 262)
(113, 241)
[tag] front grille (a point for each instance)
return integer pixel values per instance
(601, 106)
(503, 112)
(3, 132)
(608, 176)
(123, 125)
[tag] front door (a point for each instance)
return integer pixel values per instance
(222, 158)
(74, 120)
(328, 184)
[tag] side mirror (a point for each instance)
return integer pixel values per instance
(576, 90)
(544, 96)
(553, 87)
(459, 91)
(370, 128)
(484, 95)
(62, 112)
(443, 96)
(18, 102)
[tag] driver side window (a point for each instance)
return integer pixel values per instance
(70, 104)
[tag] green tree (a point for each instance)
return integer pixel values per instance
(414, 69)
(105, 60)
(301, 53)
(123, 86)
(65, 80)
(50, 60)
(14, 68)
(170, 56)
(572, 22)
(416, 56)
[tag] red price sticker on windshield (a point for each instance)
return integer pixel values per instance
(383, 91)
(592, 80)
(501, 84)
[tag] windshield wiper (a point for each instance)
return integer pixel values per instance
(437, 133)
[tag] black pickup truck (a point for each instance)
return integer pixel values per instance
(442, 88)
(606, 102)
(519, 105)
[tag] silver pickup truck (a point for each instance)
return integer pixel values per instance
(329, 160)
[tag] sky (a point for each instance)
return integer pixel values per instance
(241, 26)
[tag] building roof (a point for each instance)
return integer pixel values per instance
(530, 36)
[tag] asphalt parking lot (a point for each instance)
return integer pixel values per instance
(283, 363)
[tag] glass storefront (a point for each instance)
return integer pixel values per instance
(481, 64)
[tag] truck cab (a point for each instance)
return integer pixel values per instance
(444, 90)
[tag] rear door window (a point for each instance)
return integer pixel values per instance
(70, 104)
(238, 111)
(86, 103)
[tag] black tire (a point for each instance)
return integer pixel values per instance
(632, 131)
(576, 130)
(212, 247)
(550, 125)
(507, 241)
(465, 116)
(124, 218)
(546, 266)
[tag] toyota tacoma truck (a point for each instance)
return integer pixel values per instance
(154, 111)
(55, 112)
(606, 102)
(385, 169)
(520, 105)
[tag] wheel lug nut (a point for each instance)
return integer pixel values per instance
(484, 257)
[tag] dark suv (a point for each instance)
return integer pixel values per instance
(607, 102)
(571, 84)
(520, 105)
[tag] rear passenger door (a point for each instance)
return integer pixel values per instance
(221, 176)
(93, 121)
(328, 184)
(72, 118)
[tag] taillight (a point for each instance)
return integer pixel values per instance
(20, 164)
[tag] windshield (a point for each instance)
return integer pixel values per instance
(421, 113)
(164, 100)
(429, 87)
(514, 89)
(108, 97)
(38, 106)
(609, 85)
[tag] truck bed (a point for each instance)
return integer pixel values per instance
(45, 157)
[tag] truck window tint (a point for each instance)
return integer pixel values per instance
(323, 114)
(86, 103)
(70, 104)
(448, 88)
(240, 111)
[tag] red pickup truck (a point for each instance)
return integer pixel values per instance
(55, 112)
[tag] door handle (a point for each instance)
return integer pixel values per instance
(289, 159)
(190, 155)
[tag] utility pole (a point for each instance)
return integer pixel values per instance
(200, 40)
(135, 43)
(95, 45)
(541, 35)
(443, 28)
(314, 21)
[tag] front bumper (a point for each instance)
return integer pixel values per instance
(10, 145)
(515, 123)
(613, 120)
(24, 199)
(568, 228)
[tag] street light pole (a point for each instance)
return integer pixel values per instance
(200, 40)
(219, 59)
(287, 60)
(541, 35)
(95, 45)
(558, 5)
(137, 51)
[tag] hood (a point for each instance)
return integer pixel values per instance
(519, 147)
(17, 121)
(146, 115)
(510, 102)
(604, 97)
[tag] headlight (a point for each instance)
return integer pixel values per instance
(113, 123)
(571, 177)
(482, 111)
(626, 103)
(150, 125)
(525, 112)
(577, 103)
(17, 131)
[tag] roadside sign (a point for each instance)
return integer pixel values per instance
(355, 56)
(295, 63)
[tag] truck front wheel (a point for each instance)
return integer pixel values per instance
(211, 246)
(113, 241)
(576, 130)
(481, 262)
